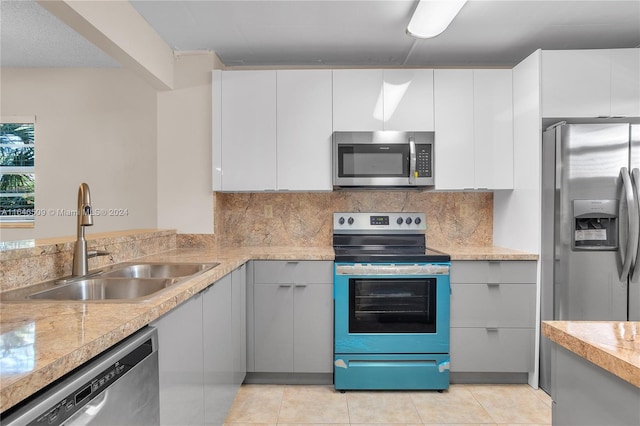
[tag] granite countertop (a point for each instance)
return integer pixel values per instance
(611, 345)
(63, 335)
(57, 337)
(485, 253)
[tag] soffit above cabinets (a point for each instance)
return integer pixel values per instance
(346, 33)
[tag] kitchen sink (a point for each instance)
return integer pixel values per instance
(105, 289)
(124, 282)
(158, 270)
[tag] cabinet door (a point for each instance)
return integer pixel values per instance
(408, 100)
(357, 100)
(313, 328)
(218, 350)
(304, 127)
(625, 82)
(576, 83)
(248, 133)
(493, 128)
(493, 305)
(454, 146)
(180, 357)
(273, 328)
(492, 350)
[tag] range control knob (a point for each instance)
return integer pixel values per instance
(399, 221)
(350, 221)
(341, 221)
(408, 221)
(418, 221)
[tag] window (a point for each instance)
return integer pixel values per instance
(17, 174)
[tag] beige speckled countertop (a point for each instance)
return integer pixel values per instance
(611, 345)
(67, 334)
(485, 253)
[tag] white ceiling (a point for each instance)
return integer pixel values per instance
(334, 32)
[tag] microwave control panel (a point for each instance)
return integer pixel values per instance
(423, 160)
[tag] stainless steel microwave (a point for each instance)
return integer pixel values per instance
(383, 159)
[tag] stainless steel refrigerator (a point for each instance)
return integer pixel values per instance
(590, 224)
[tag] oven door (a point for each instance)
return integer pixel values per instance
(391, 309)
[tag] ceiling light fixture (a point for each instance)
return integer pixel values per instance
(432, 17)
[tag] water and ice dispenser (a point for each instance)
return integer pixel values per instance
(595, 225)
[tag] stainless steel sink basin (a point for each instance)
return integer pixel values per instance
(158, 270)
(105, 289)
(124, 282)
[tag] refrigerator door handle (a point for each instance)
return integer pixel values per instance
(628, 256)
(635, 183)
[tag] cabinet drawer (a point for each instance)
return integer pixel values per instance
(480, 271)
(293, 272)
(493, 305)
(501, 350)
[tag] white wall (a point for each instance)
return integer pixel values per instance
(516, 214)
(92, 125)
(185, 192)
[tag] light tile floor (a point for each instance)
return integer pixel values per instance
(500, 405)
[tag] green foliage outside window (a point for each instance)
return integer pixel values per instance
(17, 178)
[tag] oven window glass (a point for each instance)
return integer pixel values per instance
(392, 305)
(373, 161)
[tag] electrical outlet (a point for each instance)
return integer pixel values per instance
(268, 211)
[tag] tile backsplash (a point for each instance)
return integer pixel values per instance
(305, 218)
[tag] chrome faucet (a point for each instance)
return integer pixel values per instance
(85, 218)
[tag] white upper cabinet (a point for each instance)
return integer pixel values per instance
(375, 99)
(591, 83)
(493, 128)
(474, 129)
(408, 100)
(272, 130)
(304, 130)
(357, 100)
(244, 134)
(625, 82)
(454, 149)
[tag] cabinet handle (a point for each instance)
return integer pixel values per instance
(300, 285)
(493, 284)
(285, 285)
(492, 329)
(494, 272)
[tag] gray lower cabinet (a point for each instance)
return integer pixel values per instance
(202, 353)
(492, 318)
(292, 318)
(585, 394)
(180, 360)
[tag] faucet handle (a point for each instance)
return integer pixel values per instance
(94, 253)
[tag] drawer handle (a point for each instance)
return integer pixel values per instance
(300, 285)
(492, 329)
(285, 285)
(493, 284)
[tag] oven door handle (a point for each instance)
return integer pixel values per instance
(386, 363)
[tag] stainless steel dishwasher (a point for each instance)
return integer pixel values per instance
(118, 387)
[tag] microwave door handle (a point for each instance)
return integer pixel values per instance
(412, 161)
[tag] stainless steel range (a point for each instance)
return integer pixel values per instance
(392, 299)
